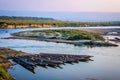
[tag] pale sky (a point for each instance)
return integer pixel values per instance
(61, 5)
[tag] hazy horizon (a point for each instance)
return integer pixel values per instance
(66, 16)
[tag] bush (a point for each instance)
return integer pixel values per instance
(4, 75)
(72, 34)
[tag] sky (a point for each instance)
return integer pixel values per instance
(61, 5)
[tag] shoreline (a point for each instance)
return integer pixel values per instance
(30, 61)
(5, 64)
(76, 43)
(57, 41)
(102, 32)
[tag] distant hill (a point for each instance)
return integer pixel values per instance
(38, 22)
(23, 18)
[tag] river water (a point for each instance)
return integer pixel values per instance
(68, 16)
(104, 67)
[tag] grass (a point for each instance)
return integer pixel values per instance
(4, 75)
(5, 54)
(72, 34)
(5, 21)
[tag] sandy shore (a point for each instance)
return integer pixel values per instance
(103, 32)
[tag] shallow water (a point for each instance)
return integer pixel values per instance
(104, 67)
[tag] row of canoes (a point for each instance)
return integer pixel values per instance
(52, 60)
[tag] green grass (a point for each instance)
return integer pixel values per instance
(29, 21)
(4, 75)
(73, 34)
(6, 53)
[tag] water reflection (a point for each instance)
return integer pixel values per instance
(104, 67)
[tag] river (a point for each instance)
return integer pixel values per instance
(68, 16)
(104, 67)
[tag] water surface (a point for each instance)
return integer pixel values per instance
(67, 16)
(104, 67)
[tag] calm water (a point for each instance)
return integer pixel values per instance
(69, 16)
(104, 67)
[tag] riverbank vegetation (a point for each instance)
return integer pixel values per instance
(69, 36)
(4, 75)
(5, 54)
(28, 22)
(66, 34)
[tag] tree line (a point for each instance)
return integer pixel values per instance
(14, 20)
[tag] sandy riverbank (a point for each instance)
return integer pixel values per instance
(110, 34)
(102, 31)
